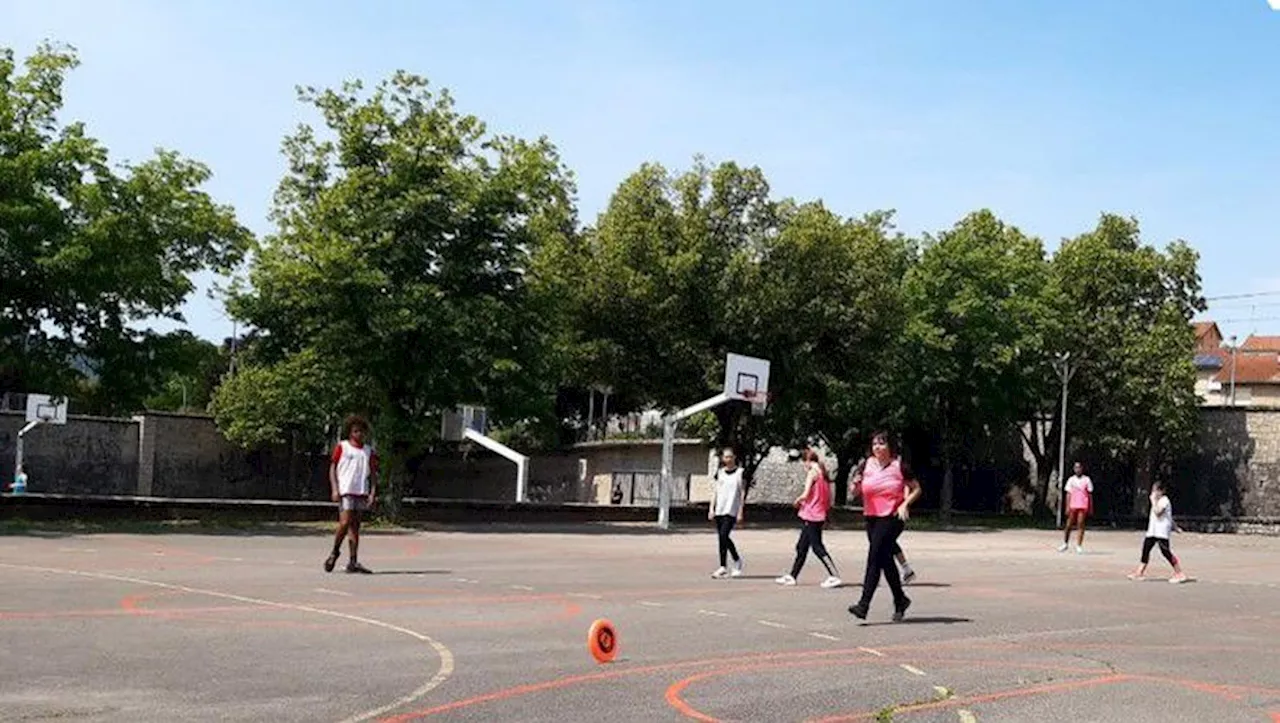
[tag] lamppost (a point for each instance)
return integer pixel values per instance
(1065, 369)
(1234, 347)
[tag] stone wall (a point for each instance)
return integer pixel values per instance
(87, 455)
(1236, 469)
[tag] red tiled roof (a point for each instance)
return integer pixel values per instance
(1251, 369)
(1208, 336)
(1257, 343)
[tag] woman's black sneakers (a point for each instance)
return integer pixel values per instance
(858, 610)
(900, 611)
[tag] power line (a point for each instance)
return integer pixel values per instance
(1253, 295)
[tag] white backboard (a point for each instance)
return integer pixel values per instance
(454, 424)
(46, 408)
(744, 374)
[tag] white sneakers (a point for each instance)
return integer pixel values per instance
(723, 572)
(831, 582)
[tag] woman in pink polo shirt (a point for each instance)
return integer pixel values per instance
(888, 487)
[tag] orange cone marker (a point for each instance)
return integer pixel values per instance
(602, 641)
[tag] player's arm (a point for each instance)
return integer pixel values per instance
(711, 508)
(913, 490)
(855, 485)
(333, 472)
(742, 499)
(810, 479)
(374, 473)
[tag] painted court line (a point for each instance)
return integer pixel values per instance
(876, 653)
(526, 588)
(824, 636)
(771, 624)
(650, 604)
(586, 595)
(327, 591)
(445, 655)
(911, 669)
(713, 612)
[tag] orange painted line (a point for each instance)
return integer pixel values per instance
(729, 664)
(986, 698)
(674, 694)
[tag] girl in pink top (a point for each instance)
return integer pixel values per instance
(888, 488)
(1079, 490)
(813, 505)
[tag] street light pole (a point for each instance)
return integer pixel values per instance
(1234, 347)
(1065, 369)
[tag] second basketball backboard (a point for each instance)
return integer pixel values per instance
(746, 378)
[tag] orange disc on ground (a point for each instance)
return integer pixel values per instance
(602, 641)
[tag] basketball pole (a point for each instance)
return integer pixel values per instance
(669, 424)
(18, 451)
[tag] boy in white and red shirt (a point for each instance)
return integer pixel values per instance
(351, 474)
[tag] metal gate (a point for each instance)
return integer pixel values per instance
(642, 488)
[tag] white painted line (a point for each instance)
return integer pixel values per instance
(876, 653)
(713, 612)
(327, 591)
(526, 588)
(966, 716)
(586, 595)
(771, 624)
(443, 673)
(649, 604)
(911, 669)
(824, 636)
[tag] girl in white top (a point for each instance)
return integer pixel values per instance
(1159, 526)
(725, 510)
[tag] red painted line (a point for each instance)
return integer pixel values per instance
(987, 698)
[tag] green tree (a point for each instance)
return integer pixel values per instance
(1124, 310)
(87, 250)
(396, 284)
(826, 303)
(653, 297)
(981, 317)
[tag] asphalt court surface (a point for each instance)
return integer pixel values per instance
(491, 623)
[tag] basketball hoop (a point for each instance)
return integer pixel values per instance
(759, 402)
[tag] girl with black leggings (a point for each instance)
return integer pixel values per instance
(812, 506)
(725, 510)
(888, 488)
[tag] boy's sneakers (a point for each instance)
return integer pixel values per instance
(831, 582)
(721, 573)
(1079, 549)
(1136, 576)
(737, 567)
(907, 574)
(330, 562)
(357, 568)
(1062, 547)
(1178, 579)
(786, 580)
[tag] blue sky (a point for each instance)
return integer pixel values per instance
(1047, 112)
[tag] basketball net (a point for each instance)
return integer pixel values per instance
(759, 402)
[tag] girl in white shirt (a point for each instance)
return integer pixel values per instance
(1159, 526)
(725, 510)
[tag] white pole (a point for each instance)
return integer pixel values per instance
(18, 446)
(668, 452)
(1065, 372)
(522, 462)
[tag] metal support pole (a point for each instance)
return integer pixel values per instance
(668, 452)
(522, 462)
(1065, 371)
(18, 447)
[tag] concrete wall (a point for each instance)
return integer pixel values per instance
(192, 459)
(87, 455)
(1236, 471)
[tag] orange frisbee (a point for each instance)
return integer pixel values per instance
(602, 641)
